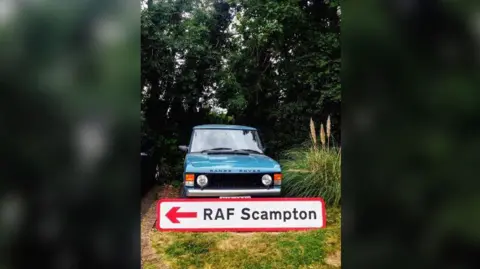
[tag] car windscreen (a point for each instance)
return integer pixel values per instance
(208, 139)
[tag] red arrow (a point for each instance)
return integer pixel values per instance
(173, 214)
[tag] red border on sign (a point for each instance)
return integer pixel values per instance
(210, 200)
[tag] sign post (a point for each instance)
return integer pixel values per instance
(240, 215)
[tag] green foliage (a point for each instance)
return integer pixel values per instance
(304, 249)
(188, 250)
(294, 253)
(69, 115)
(217, 118)
(189, 247)
(310, 172)
(284, 68)
(260, 250)
(272, 64)
(182, 45)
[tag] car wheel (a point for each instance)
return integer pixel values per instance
(183, 194)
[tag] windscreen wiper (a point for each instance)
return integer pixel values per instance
(248, 150)
(207, 150)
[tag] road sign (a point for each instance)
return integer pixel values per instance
(239, 214)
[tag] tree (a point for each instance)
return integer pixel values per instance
(271, 64)
(182, 45)
(284, 68)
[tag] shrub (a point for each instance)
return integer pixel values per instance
(313, 171)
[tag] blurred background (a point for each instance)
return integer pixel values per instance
(410, 134)
(69, 129)
(69, 121)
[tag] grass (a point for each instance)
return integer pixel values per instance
(307, 249)
(310, 171)
(313, 170)
(313, 173)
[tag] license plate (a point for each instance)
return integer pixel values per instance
(234, 197)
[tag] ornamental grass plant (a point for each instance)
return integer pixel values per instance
(313, 170)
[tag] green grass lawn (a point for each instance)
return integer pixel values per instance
(306, 249)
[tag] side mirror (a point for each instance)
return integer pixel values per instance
(183, 148)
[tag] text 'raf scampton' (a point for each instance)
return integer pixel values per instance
(248, 214)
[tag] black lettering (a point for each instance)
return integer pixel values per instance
(264, 215)
(207, 212)
(230, 212)
(275, 215)
(269, 215)
(219, 214)
(285, 218)
(245, 212)
(295, 213)
(303, 214)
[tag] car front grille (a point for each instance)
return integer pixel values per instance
(235, 181)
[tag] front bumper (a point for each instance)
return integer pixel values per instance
(190, 192)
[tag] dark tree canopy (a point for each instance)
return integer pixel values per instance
(270, 64)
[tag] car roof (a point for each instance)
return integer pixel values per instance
(224, 126)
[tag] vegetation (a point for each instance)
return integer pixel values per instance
(265, 63)
(313, 170)
(270, 64)
(308, 249)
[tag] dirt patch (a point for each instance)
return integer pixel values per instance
(334, 259)
(148, 217)
(168, 191)
(148, 200)
(234, 241)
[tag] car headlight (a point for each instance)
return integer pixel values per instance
(202, 180)
(267, 180)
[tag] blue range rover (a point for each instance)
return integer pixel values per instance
(226, 161)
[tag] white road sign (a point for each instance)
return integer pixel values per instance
(238, 214)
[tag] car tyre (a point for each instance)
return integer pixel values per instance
(183, 193)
